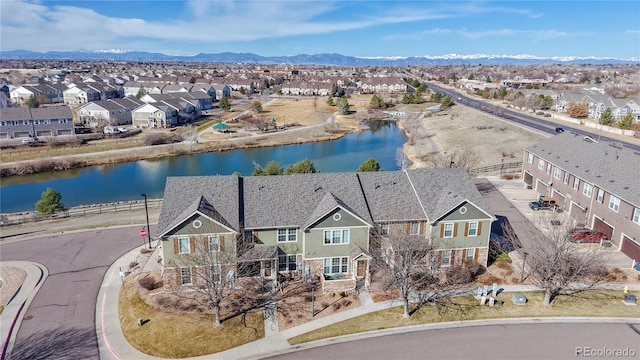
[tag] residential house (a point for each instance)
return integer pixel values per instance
(80, 95)
(154, 115)
(4, 100)
(108, 112)
(319, 224)
(222, 90)
(595, 182)
(22, 121)
(44, 93)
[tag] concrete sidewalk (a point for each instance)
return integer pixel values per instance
(11, 316)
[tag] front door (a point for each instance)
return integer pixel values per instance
(267, 268)
(361, 268)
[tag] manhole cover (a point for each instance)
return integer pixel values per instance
(28, 317)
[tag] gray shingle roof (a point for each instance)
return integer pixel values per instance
(299, 200)
(608, 166)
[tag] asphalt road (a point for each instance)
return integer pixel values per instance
(60, 322)
(532, 122)
(526, 341)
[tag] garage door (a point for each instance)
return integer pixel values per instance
(601, 226)
(541, 188)
(578, 215)
(65, 132)
(560, 200)
(528, 179)
(630, 248)
(43, 133)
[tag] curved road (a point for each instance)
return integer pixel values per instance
(533, 122)
(526, 341)
(60, 322)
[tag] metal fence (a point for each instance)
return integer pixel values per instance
(122, 206)
(504, 168)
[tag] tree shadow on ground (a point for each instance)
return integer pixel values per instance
(66, 343)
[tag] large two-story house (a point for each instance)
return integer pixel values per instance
(318, 225)
(22, 121)
(595, 182)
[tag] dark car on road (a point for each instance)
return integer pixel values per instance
(544, 203)
(559, 130)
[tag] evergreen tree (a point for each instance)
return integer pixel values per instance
(369, 165)
(625, 123)
(272, 168)
(33, 102)
(49, 202)
(224, 103)
(343, 106)
(606, 118)
(301, 167)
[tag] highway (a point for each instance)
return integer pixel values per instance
(532, 122)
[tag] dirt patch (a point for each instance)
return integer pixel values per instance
(11, 279)
(296, 310)
(458, 128)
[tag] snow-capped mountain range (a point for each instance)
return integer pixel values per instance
(317, 59)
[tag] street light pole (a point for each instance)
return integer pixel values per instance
(524, 260)
(313, 281)
(146, 210)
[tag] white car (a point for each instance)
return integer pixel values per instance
(28, 140)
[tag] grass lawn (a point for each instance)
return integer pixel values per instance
(596, 303)
(181, 334)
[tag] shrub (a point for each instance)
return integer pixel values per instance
(503, 257)
(337, 306)
(346, 303)
(145, 251)
(133, 264)
(148, 282)
(158, 138)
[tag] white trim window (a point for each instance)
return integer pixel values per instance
(216, 270)
(548, 168)
(587, 190)
(184, 245)
(530, 159)
(541, 164)
(448, 230)
(248, 238)
(473, 229)
(600, 196)
(185, 276)
(384, 227)
(446, 258)
(336, 236)
(414, 228)
(336, 265)
(614, 203)
(576, 184)
(287, 262)
(557, 172)
(214, 243)
(566, 178)
(636, 216)
(287, 235)
(469, 253)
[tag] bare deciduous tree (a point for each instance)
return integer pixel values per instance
(409, 265)
(465, 158)
(557, 265)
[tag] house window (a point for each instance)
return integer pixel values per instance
(473, 229)
(541, 164)
(470, 253)
(287, 262)
(3, 123)
(566, 178)
(36, 122)
(336, 236)
(287, 235)
(448, 230)
(548, 168)
(25, 122)
(336, 265)
(587, 190)
(185, 276)
(446, 258)
(184, 245)
(557, 173)
(214, 243)
(600, 196)
(530, 160)
(576, 184)
(415, 228)
(46, 122)
(248, 238)
(636, 216)
(62, 121)
(384, 228)
(614, 203)
(215, 273)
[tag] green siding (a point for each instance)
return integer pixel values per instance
(315, 247)
(209, 227)
(472, 212)
(461, 241)
(269, 237)
(346, 220)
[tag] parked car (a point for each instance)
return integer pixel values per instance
(583, 235)
(559, 130)
(544, 203)
(29, 140)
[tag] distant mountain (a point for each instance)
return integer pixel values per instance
(317, 59)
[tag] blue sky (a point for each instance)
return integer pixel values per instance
(354, 27)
